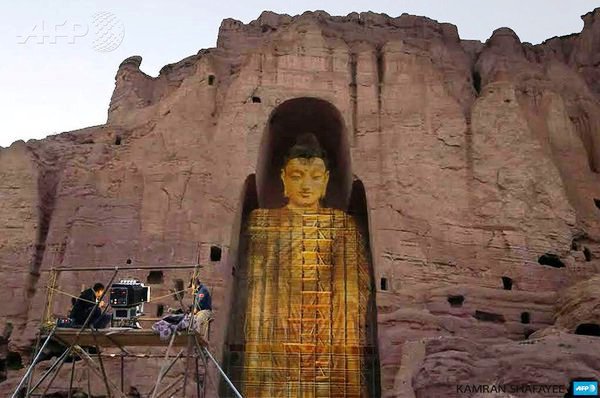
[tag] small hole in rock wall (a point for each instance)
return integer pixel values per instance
(507, 283)
(456, 301)
(587, 253)
(551, 260)
(384, 284)
(215, 253)
(525, 318)
(155, 278)
(588, 329)
(160, 310)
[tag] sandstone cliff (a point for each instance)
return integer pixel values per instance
(479, 162)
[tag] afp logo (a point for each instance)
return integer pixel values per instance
(584, 388)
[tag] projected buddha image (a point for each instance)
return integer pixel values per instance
(307, 288)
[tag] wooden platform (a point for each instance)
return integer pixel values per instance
(121, 337)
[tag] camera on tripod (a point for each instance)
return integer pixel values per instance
(127, 297)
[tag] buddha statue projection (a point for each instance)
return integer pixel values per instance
(303, 301)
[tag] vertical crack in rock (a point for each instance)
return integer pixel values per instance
(379, 59)
(476, 81)
(330, 68)
(470, 166)
(47, 187)
(469, 139)
(261, 66)
(354, 92)
(380, 76)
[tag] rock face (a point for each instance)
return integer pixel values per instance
(479, 163)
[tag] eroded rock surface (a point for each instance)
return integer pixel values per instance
(479, 161)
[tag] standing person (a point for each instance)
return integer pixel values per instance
(202, 307)
(86, 304)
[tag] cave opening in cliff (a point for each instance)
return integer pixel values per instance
(14, 361)
(507, 283)
(211, 80)
(155, 278)
(118, 140)
(304, 276)
(525, 317)
(456, 300)
(588, 329)
(551, 260)
(587, 254)
(597, 202)
(215, 253)
(383, 284)
(574, 245)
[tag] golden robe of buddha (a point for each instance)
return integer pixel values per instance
(308, 289)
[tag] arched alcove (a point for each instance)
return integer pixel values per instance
(359, 209)
(287, 121)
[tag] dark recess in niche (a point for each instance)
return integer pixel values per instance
(384, 284)
(489, 317)
(587, 253)
(215, 253)
(160, 310)
(456, 301)
(588, 329)
(155, 278)
(211, 80)
(14, 361)
(477, 82)
(551, 260)
(178, 293)
(574, 245)
(597, 202)
(525, 317)
(256, 100)
(128, 261)
(507, 283)
(118, 140)
(528, 332)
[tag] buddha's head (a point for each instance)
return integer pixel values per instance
(304, 173)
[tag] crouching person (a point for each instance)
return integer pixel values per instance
(202, 309)
(86, 304)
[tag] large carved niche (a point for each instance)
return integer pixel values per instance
(257, 363)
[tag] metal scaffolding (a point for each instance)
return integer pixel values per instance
(193, 348)
(306, 315)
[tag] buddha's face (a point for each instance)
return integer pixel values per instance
(304, 182)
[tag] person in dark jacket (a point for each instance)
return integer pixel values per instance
(203, 307)
(86, 304)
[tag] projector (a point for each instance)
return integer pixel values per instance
(127, 297)
(128, 293)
